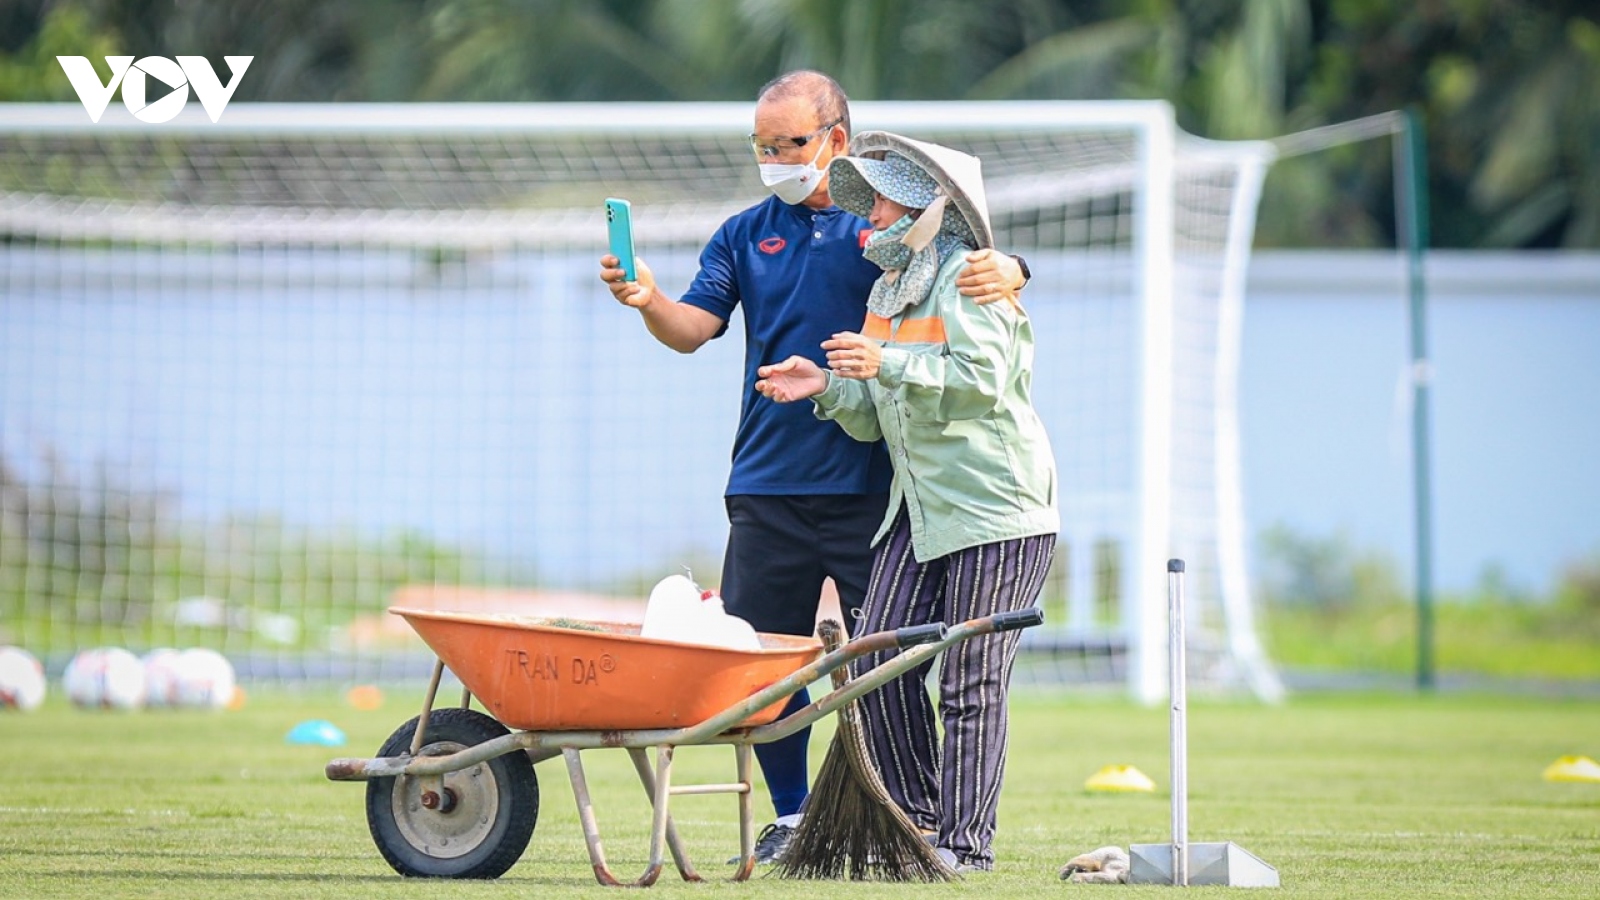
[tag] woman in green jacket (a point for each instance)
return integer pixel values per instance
(972, 520)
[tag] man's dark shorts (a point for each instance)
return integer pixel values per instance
(780, 548)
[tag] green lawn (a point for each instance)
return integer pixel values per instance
(1495, 640)
(1349, 796)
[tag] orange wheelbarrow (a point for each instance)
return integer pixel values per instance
(452, 793)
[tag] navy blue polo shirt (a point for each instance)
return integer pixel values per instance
(800, 276)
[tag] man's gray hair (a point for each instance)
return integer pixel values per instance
(823, 92)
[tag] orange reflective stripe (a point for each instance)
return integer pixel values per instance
(876, 327)
(920, 331)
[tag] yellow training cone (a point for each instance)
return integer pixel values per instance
(1119, 778)
(1573, 768)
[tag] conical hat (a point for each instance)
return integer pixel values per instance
(870, 168)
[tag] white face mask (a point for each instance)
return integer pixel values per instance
(792, 182)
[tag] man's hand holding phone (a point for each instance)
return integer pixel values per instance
(682, 326)
(623, 272)
(629, 293)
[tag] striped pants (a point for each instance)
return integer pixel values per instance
(956, 791)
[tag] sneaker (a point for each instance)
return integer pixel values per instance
(770, 844)
(948, 856)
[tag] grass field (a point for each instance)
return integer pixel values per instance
(1348, 796)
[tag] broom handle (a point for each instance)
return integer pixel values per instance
(832, 634)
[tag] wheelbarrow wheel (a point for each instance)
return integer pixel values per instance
(474, 823)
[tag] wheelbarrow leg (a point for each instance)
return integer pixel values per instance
(653, 787)
(742, 754)
(591, 830)
(660, 802)
(421, 734)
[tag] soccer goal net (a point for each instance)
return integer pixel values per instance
(261, 378)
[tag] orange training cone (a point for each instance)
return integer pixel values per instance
(364, 697)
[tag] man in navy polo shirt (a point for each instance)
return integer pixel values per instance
(803, 499)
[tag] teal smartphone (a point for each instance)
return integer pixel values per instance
(619, 222)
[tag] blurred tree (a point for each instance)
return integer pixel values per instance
(1511, 94)
(1326, 573)
(304, 49)
(32, 41)
(722, 49)
(901, 49)
(557, 50)
(1509, 89)
(1577, 595)
(318, 50)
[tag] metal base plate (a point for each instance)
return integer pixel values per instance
(1224, 863)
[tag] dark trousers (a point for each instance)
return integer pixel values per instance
(956, 791)
(780, 548)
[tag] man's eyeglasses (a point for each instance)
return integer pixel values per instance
(771, 147)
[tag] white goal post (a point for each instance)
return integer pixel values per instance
(257, 374)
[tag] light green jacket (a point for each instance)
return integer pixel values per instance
(972, 463)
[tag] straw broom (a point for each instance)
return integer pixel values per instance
(851, 828)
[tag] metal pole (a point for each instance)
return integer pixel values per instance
(1411, 234)
(1179, 751)
(1411, 213)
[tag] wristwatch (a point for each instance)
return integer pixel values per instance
(1022, 264)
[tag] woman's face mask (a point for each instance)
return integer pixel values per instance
(886, 247)
(793, 182)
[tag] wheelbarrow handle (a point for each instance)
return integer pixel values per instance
(912, 635)
(1015, 619)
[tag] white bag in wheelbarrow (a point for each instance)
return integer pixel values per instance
(678, 610)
